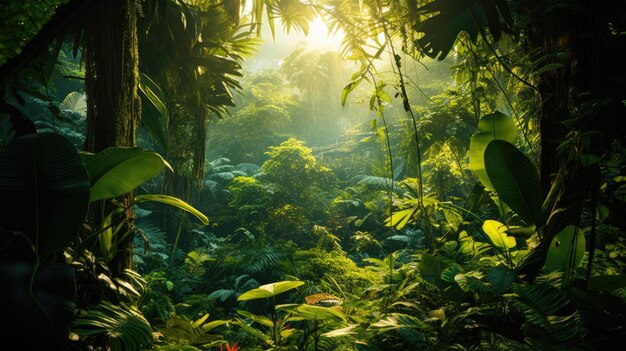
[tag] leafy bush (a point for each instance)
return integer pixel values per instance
(315, 265)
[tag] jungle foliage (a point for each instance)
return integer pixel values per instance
(451, 177)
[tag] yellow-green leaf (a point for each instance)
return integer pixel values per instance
(173, 201)
(496, 232)
(269, 290)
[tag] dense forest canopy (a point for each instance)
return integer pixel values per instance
(313, 175)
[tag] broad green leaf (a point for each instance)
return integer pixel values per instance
(310, 312)
(44, 190)
(352, 329)
(256, 318)
(348, 89)
(566, 250)
(269, 290)
(515, 180)
(496, 232)
(430, 265)
(471, 281)
(107, 250)
(495, 126)
(173, 201)
(453, 216)
(118, 170)
(501, 278)
(431, 268)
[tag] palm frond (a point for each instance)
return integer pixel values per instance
(124, 327)
(260, 259)
(76, 102)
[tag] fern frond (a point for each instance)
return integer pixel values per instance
(377, 183)
(249, 168)
(195, 261)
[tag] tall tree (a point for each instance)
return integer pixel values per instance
(112, 62)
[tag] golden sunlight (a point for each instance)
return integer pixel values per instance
(319, 38)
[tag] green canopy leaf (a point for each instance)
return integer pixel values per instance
(495, 126)
(269, 290)
(515, 179)
(117, 170)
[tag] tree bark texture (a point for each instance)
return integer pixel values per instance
(111, 57)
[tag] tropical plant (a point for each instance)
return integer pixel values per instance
(43, 179)
(181, 331)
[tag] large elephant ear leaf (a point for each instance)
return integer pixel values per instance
(37, 300)
(494, 126)
(496, 232)
(118, 170)
(566, 250)
(44, 190)
(515, 179)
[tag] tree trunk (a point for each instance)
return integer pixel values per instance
(576, 99)
(111, 84)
